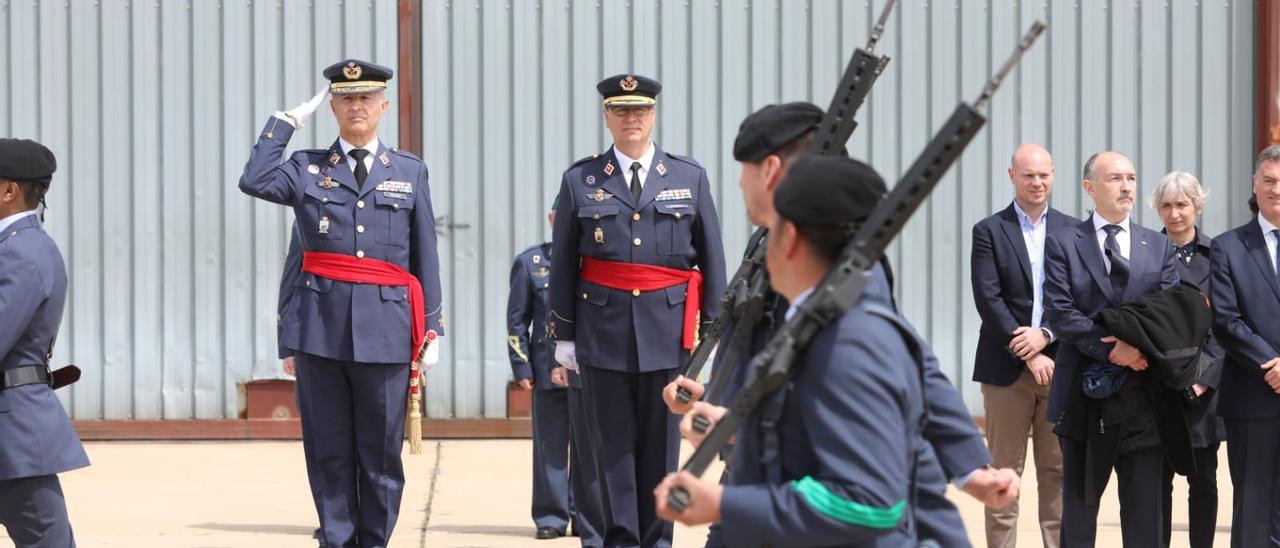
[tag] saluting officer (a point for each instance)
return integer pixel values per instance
(564, 478)
(36, 438)
(641, 264)
(368, 297)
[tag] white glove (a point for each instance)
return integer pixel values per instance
(567, 355)
(432, 356)
(297, 116)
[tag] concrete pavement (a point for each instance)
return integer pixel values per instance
(459, 493)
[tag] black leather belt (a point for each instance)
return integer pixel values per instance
(27, 374)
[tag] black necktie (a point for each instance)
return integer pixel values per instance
(362, 172)
(635, 182)
(1119, 264)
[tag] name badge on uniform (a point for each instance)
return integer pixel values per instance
(395, 195)
(395, 186)
(324, 225)
(674, 194)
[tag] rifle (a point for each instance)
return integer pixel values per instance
(844, 284)
(741, 298)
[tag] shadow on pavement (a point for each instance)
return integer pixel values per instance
(269, 528)
(500, 530)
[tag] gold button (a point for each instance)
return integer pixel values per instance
(635, 217)
(596, 217)
(395, 206)
(636, 241)
(546, 285)
(359, 253)
(360, 204)
(584, 296)
(360, 229)
(635, 292)
(269, 135)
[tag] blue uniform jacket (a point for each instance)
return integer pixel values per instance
(674, 225)
(1246, 305)
(532, 356)
(287, 304)
(36, 437)
(390, 219)
(849, 434)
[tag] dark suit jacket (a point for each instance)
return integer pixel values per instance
(1246, 306)
(1076, 289)
(1000, 267)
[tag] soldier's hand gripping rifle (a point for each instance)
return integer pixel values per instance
(844, 284)
(743, 297)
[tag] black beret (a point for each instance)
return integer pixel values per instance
(26, 160)
(768, 129)
(629, 90)
(354, 76)
(828, 190)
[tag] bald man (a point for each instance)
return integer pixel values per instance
(1105, 261)
(1014, 361)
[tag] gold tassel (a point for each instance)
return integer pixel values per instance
(414, 424)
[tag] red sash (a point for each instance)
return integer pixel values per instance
(348, 268)
(644, 277)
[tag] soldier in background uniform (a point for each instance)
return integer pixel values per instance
(641, 265)
(368, 297)
(37, 441)
(564, 486)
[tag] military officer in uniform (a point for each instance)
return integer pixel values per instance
(851, 418)
(37, 441)
(368, 297)
(641, 266)
(564, 485)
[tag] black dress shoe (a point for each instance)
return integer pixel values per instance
(546, 533)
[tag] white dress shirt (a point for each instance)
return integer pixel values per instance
(625, 163)
(1033, 235)
(372, 147)
(1122, 238)
(7, 221)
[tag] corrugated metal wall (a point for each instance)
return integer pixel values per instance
(510, 102)
(151, 108)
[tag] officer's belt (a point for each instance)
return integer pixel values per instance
(646, 277)
(351, 269)
(24, 375)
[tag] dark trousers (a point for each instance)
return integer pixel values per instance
(1202, 499)
(552, 499)
(352, 432)
(1253, 455)
(1138, 474)
(584, 477)
(637, 442)
(34, 513)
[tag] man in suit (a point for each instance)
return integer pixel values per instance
(368, 297)
(1014, 360)
(848, 422)
(641, 272)
(1106, 260)
(37, 441)
(1246, 309)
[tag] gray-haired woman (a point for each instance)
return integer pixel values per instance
(1179, 199)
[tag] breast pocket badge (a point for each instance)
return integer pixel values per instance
(324, 225)
(599, 234)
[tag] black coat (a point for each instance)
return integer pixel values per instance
(1207, 429)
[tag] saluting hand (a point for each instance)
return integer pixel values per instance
(1272, 375)
(298, 115)
(677, 407)
(704, 499)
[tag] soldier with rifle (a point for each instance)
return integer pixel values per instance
(842, 286)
